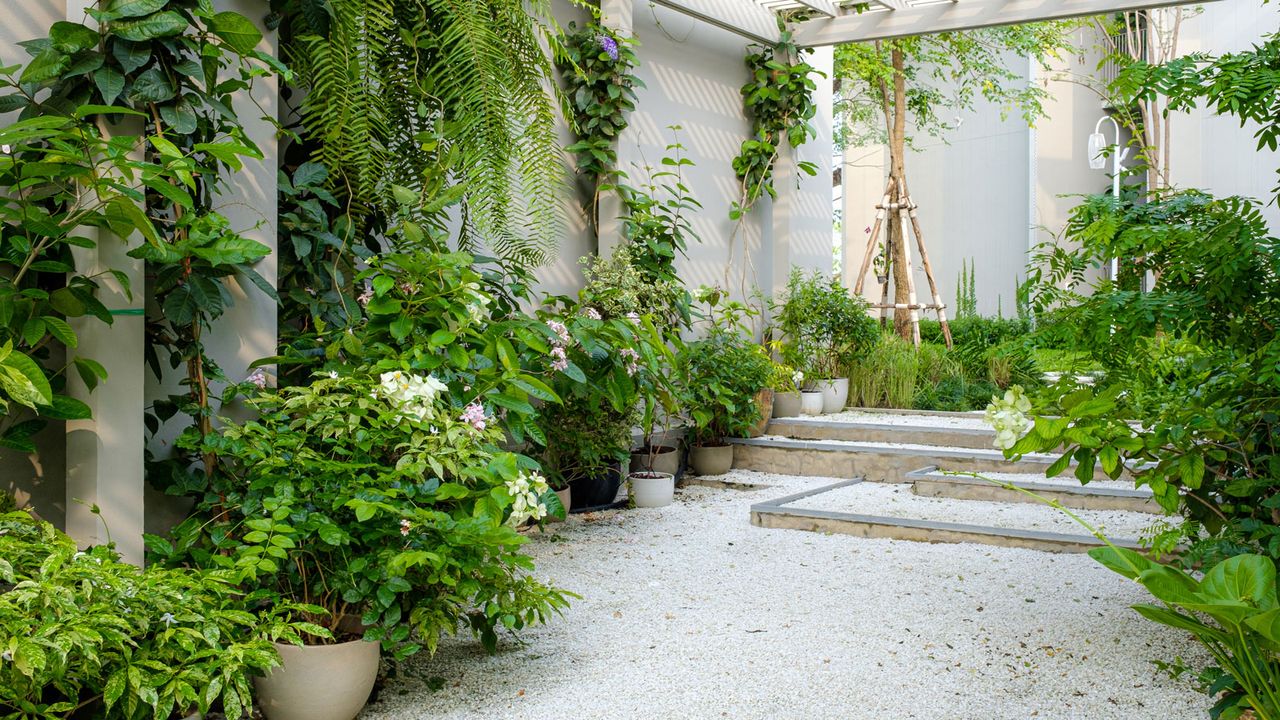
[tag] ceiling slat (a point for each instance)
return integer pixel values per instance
(737, 16)
(952, 16)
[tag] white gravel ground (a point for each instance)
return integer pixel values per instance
(896, 500)
(690, 612)
(869, 417)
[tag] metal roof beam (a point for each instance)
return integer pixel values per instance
(954, 16)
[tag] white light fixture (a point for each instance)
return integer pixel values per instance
(1097, 150)
(1098, 161)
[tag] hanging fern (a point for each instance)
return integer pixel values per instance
(401, 92)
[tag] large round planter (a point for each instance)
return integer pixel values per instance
(319, 682)
(653, 489)
(666, 459)
(835, 394)
(786, 404)
(811, 402)
(711, 459)
(596, 492)
(764, 406)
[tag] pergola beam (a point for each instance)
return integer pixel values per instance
(954, 16)
(742, 17)
(826, 7)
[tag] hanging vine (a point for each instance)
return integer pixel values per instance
(600, 84)
(779, 101)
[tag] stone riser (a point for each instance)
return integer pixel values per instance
(875, 464)
(865, 432)
(958, 489)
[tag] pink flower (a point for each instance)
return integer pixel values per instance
(405, 527)
(560, 330)
(633, 357)
(408, 288)
(592, 313)
(258, 377)
(474, 414)
(561, 361)
(364, 297)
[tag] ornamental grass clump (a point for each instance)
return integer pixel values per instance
(379, 503)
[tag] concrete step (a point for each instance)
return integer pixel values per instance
(819, 429)
(932, 482)
(835, 509)
(875, 462)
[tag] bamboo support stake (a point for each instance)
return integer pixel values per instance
(912, 301)
(871, 242)
(928, 267)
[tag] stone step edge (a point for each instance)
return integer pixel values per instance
(946, 532)
(852, 446)
(935, 473)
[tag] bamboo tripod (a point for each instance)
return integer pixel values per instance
(897, 204)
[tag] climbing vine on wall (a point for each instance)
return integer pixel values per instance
(170, 69)
(779, 101)
(600, 84)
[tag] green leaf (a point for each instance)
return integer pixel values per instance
(110, 83)
(153, 85)
(25, 381)
(46, 65)
(70, 37)
(160, 25)
(90, 371)
(135, 8)
(60, 330)
(236, 30)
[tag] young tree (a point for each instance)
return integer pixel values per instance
(927, 80)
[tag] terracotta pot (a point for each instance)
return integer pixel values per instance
(665, 460)
(786, 404)
(811, 402)
(319, 682)
(711, 459)
(653, 489)
(835, 394)
(764, 406)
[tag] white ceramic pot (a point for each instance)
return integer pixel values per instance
(711, 459)
(811, 402)
(835, 394)
(786, 404)
(653, 489)
(319, 682)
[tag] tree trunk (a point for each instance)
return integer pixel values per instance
(898, 173)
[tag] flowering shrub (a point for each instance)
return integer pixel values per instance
(83, 634)
(376, 499)
(598, 68)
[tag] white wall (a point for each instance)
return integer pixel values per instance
(1213, 152)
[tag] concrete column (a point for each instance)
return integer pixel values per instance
(105, 454)
(617, 16)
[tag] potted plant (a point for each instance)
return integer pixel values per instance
(720, 377)
(653, 480)
(786, 383)
(825, 330)
(372, 500)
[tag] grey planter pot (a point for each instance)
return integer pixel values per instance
(711, 460)
(319, 682)
(786, 405)
(666, 460)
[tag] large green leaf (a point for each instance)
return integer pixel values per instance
(1243, 578)
(135, 8)
(233, 251)
(160, 25)
(70, 37)
(236, 30)
(1122, 560)
(46, 65)
(24, 381)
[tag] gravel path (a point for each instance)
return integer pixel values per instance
(896, 500)
(972, 421)
(689, 612)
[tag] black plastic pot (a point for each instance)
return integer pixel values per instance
(596, 492)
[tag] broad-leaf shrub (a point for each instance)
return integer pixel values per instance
(825, 329)
(720, 377)
(85, 635)
(1192, 367)
(379, 501)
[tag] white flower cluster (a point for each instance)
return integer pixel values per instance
(798, 379)
(526, 492)
(1008, 415)
(412, 395)
(478, 308)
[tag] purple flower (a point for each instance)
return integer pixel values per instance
(364, 297)
(561, 361)
(633, 357)
(592, 313)
(258, 377)
(560, 330)
(609, 46)
(474, 414)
